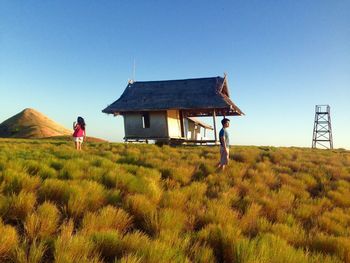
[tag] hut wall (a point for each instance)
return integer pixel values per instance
(133, 124)
(174, 123)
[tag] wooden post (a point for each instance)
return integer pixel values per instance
(215, 135)
(204, 135)
(182, 124)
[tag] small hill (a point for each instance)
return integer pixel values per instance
(30, 123)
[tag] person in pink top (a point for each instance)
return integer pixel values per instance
(79, 134)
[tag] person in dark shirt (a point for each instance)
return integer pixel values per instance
(224, 144)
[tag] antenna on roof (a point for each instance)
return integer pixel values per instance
(132, 80)
(134, 70)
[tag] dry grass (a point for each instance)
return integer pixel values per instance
(30, 253)
(107, 219)
(8, 241)
(43, 223)
(143, 203)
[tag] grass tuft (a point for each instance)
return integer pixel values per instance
(108, 218)
(43, 223)
(8, 241)
(21, 205)
(30, 253)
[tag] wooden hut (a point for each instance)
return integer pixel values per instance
(166, 110)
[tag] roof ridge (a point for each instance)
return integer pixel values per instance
(173, 80)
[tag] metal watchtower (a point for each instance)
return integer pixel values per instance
(322, 135)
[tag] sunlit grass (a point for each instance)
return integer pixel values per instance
(85, 196)
(74, 248)
(107, 219)
(144, 203)
(8, 241)
(30, 253)
(43, 223)
(108, 244)
(20, 205)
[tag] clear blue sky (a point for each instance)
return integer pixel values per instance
(70, 58)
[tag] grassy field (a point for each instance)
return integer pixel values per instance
(144, 203)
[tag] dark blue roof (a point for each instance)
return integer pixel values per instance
(185, 94)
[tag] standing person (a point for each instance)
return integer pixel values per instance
(79, 134)
(224, 144)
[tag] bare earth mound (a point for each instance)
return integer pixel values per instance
(30, 123)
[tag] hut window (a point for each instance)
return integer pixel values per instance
(145, 120)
